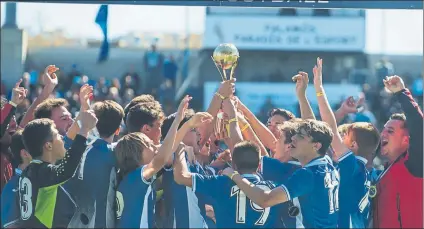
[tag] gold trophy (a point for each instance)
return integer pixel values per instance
(225, 57)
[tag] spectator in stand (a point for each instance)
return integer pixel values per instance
(128, 83)
(383, 68)
(267, 106)
(135, 78)
(170, 69)
(153, 65)
(101, 90)
(399, 197)
(166, 92)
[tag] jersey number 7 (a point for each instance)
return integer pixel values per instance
(241, 206)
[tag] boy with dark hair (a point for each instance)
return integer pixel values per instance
(51, 166)
(56, 110)
(315, 184)
(94, 184)
(146, 98)
(10, 213)
(139, 161)
(146, 118)
(278, 116)
(232, 208)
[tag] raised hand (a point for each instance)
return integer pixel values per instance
(183, 107)
(49, 76)
(394, 83)
(200, 118)
(87, 120)
(227, 88)
(350, 105)
(86, 93)
(225, 156)
(18, 93)
(302, 81)
(317, 70)
(228, 171)
(229, 108)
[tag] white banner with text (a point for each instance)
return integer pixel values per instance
(339, 34)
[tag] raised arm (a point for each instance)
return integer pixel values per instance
(200, 118)
(326, 113)
(86, 92)
(225, 90)
(50, 81)
(302, 81)
(18, 96)
(259, 196)
(349, 106)
(182, 175)
(414, 120)
(235, 132)
(165, 150)
(263, 133)
(249, 134)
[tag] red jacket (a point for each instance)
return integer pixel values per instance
(399, 200)
(6, 170)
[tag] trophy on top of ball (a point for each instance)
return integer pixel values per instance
(225, 57)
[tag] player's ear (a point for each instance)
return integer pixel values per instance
(117, 131)
(145, 129)
(317, 146)
(24, 154)
(48, 146)
(353, 145)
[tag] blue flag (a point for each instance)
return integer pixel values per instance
(101, 20)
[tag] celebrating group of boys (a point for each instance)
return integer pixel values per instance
(221, 168)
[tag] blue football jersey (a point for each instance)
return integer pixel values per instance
(232, 208)
(353, 195)
(277, 172)
(135, 201)
(93, 187)
(10, 212)
(316, 187)
(184, 208)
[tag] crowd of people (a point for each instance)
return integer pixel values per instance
(140, 166)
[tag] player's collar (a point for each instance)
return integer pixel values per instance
(18, 171)
(252, 176)
(363, 160)
(319, 161)
(36, 161)
(294, 162)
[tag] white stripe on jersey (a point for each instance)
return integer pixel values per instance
(299, 217)
(111, 197)
(144, 221)
(195, 218)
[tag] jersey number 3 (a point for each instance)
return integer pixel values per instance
(25, 197)
(241, 206)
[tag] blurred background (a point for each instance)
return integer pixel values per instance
(127, 50)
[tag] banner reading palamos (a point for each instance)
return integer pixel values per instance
(338, 34)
